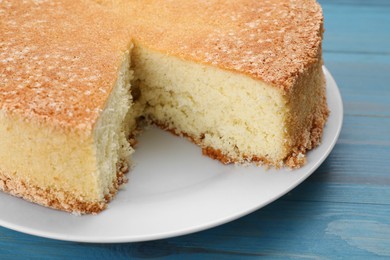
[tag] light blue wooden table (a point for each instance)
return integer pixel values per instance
(341, 211)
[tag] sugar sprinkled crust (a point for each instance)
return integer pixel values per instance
(53, 68)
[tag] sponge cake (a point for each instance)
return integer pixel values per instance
(242, 79)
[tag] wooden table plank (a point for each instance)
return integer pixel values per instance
(302, 228)
(357, 28)
(365, 130)
(363, 85)
(351, 3)
(282, 229)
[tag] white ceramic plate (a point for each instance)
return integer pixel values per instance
(174, 190)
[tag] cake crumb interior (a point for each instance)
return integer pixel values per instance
(232, 113)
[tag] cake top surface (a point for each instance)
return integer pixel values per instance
(59, 59)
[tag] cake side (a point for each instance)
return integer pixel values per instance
(308, 113)
(308, 107)
(56, 198)
(37, 156)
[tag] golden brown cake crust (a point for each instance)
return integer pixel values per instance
(58, 199)
(58, 60)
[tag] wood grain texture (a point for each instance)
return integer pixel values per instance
(341, 212)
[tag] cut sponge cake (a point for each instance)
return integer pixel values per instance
(242, 79)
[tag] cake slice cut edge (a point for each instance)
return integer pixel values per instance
(66, 169)
(233, 117)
